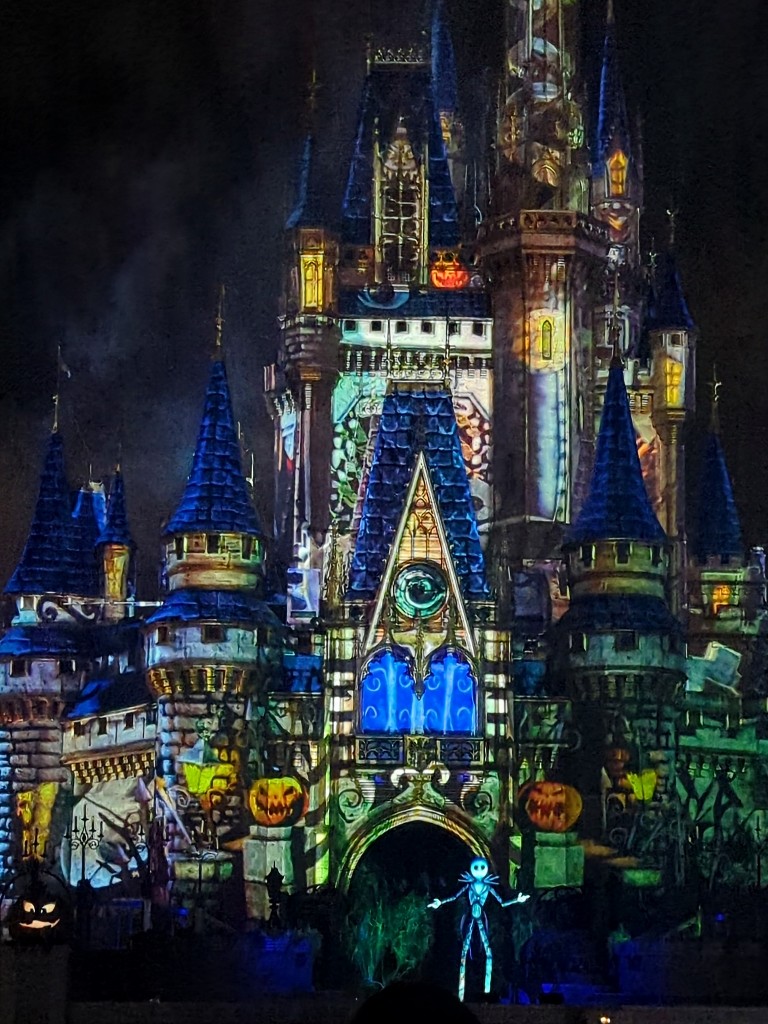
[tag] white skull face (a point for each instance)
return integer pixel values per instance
(479, 868)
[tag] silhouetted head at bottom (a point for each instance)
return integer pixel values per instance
(417, 1001)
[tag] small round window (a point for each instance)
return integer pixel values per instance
(420, 590)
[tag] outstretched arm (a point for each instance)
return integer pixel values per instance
(520, 898)
(435, 903)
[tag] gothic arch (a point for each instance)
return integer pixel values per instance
(408, 815)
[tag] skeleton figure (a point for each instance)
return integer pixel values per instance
(478, 885)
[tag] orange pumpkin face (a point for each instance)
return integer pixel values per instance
(550, 806)
(280, 801)
(447, 272)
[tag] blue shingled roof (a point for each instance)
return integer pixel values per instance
(443, 63)
(466, 303)
(83, 575)
(116, 529)
(55, 639)
(58, 557)
(617, 505)
(306, 213)
(719, 529)
(667, 308)
(392, 92)
(235, 607)
(101, 696)
(216, 499)
(611, 612)
(413, 419)
(612, 123)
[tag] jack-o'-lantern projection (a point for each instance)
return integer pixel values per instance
(550, 806)
(279, 801)
(39, 915)
(448, 272)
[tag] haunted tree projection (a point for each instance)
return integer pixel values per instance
(478, 886)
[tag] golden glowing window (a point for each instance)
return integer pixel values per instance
(546, 339)
(617, 173)
(721, 597)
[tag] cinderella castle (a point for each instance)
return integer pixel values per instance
(482, 610)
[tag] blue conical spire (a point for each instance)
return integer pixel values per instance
(216, 499)
(612, 123)
(667, 308)
(443, 64)
(116, 529)
(306, 212)
(617, 506)
(82, 570)
(41, 568)
(719, 529)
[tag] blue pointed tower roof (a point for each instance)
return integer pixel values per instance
(306, 212)
(41, 568)
(216, 498)
(617, 506)
(116, 529)
(667, 308)
(612, 122)
(416, 419)
(82, 568)
(443, 63)
(393, 92)
(719, 528)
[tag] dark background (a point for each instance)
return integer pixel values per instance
(150, 149)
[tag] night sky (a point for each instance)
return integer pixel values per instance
(149, 151)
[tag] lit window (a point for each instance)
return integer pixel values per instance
(721, 597)
(617, 173)
(546, 339)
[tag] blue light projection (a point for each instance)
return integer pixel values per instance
(390, 703)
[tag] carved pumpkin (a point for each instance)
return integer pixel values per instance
(38, 917)
(280, 801)
(550, 806)
(447, 272)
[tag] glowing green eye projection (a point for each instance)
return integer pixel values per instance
(420, 590)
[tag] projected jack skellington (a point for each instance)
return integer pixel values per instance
(478, 885)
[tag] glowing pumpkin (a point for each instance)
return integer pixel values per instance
(550, 806)
(38, 917)
(447, 272)
(280, 801)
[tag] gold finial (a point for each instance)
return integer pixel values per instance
(714, 395)
(220, 319)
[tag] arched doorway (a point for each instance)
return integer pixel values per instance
(417, 861)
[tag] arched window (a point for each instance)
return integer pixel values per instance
(546, 339)
(617, 173)
(386, 694)
(449, 704)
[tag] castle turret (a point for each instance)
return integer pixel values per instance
(115, 547)
(212, 644)
(620, 646)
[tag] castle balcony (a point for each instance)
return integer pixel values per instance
(420, 750)
(559, 231)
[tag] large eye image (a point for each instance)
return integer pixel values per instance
(420, 590)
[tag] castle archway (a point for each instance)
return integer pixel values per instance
(420, 833)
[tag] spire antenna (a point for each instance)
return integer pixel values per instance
(714, 395)
(220, 320)
(615, 329)
(610, 15)
(672, 214)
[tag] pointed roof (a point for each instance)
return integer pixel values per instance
(413, 419)
(216, 498)
(306, 212)
(612, 121)
(395, 94)
(617, 505)
(116, 529)
(83, 576)
(41, 568)
(443, 63)
(719, 528)
(667, 308)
